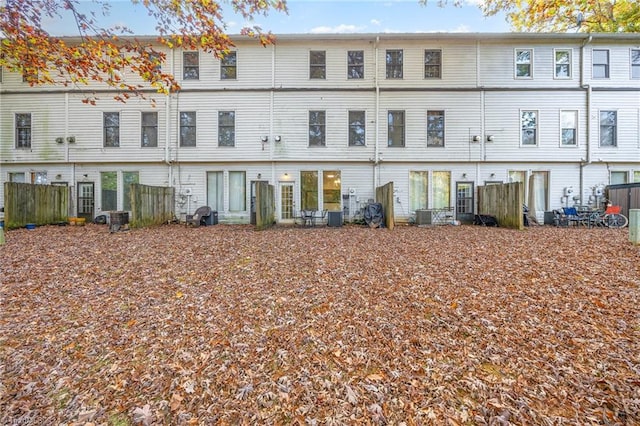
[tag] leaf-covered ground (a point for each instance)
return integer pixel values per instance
(326, 326)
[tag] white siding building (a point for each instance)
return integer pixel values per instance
(328, 118)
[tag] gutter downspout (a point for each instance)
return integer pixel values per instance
(167, 126)
(271, 106)
(376, 157)
(588, 119)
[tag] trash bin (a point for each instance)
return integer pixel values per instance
(212, 219)
(334, 218)
(118, 221)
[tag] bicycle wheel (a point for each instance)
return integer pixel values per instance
(616, 220)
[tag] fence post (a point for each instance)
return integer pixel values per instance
(634, 226)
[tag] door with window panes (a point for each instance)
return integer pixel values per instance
(464, 201)
(285, 204)
(86, 200)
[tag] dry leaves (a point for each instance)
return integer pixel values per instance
(226, 325)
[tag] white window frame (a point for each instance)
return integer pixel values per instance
(317, 70)
(438, 65)
(576, 127)
(555, 64)
(225, 65)
(516, 63)
(190, 66)
(607, 65)
(18, 130)
(440, 114)
(616, 125)
(633, 65)
(537, 128)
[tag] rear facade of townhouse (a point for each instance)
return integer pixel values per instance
(326, 119)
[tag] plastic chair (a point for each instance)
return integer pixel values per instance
(199, 217)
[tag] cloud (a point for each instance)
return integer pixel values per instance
(376, 22)
(342, 28)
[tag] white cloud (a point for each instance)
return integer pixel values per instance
(376, 22)
(342, 28)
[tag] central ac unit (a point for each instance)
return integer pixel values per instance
(424, 217)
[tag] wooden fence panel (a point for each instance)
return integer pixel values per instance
(151, 205)
(384, 195)
(39, 204)
(626, 195)
(265, 205)
(504, 202)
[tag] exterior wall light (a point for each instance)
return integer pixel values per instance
(278, 138)
(264, 139)
(489, 138)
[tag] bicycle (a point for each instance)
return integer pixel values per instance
(611, 218)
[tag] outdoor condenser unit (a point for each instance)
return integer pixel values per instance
(424, 217)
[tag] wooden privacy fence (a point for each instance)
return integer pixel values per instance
(38, 204)
(504, 202)
(384, 195)
(626, 195)
(265, 205)
(151, 205)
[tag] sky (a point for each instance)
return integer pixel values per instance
(328, 16)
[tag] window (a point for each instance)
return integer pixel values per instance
(418, 190)
(357, 128)
(617, 178)
(432, 63)
(16, 177)
(39, 178)
(524, 63)
(127, 179)
(226, 128)
(355, 64)
(435, 128)
(109, 185)
(229, 66)
(529, 126)
(309, 190)
(600, 63)
(237, 191)
(317, 128)
(635, 63)
(190, 66)
(395, 131)
(23, 130)
(317, 64)
(636, 176)
(394, 63)
(215, 191)
(331, 189)
(111, 129)
(517, 176)
(149, 136)
(563, 63)
(608, 128)
(441, 190)
(540, 188)
(188, 128)
(568, 128)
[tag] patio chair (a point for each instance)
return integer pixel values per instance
(573, 217)
(199, 217)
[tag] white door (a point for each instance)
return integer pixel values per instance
(285, 206)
